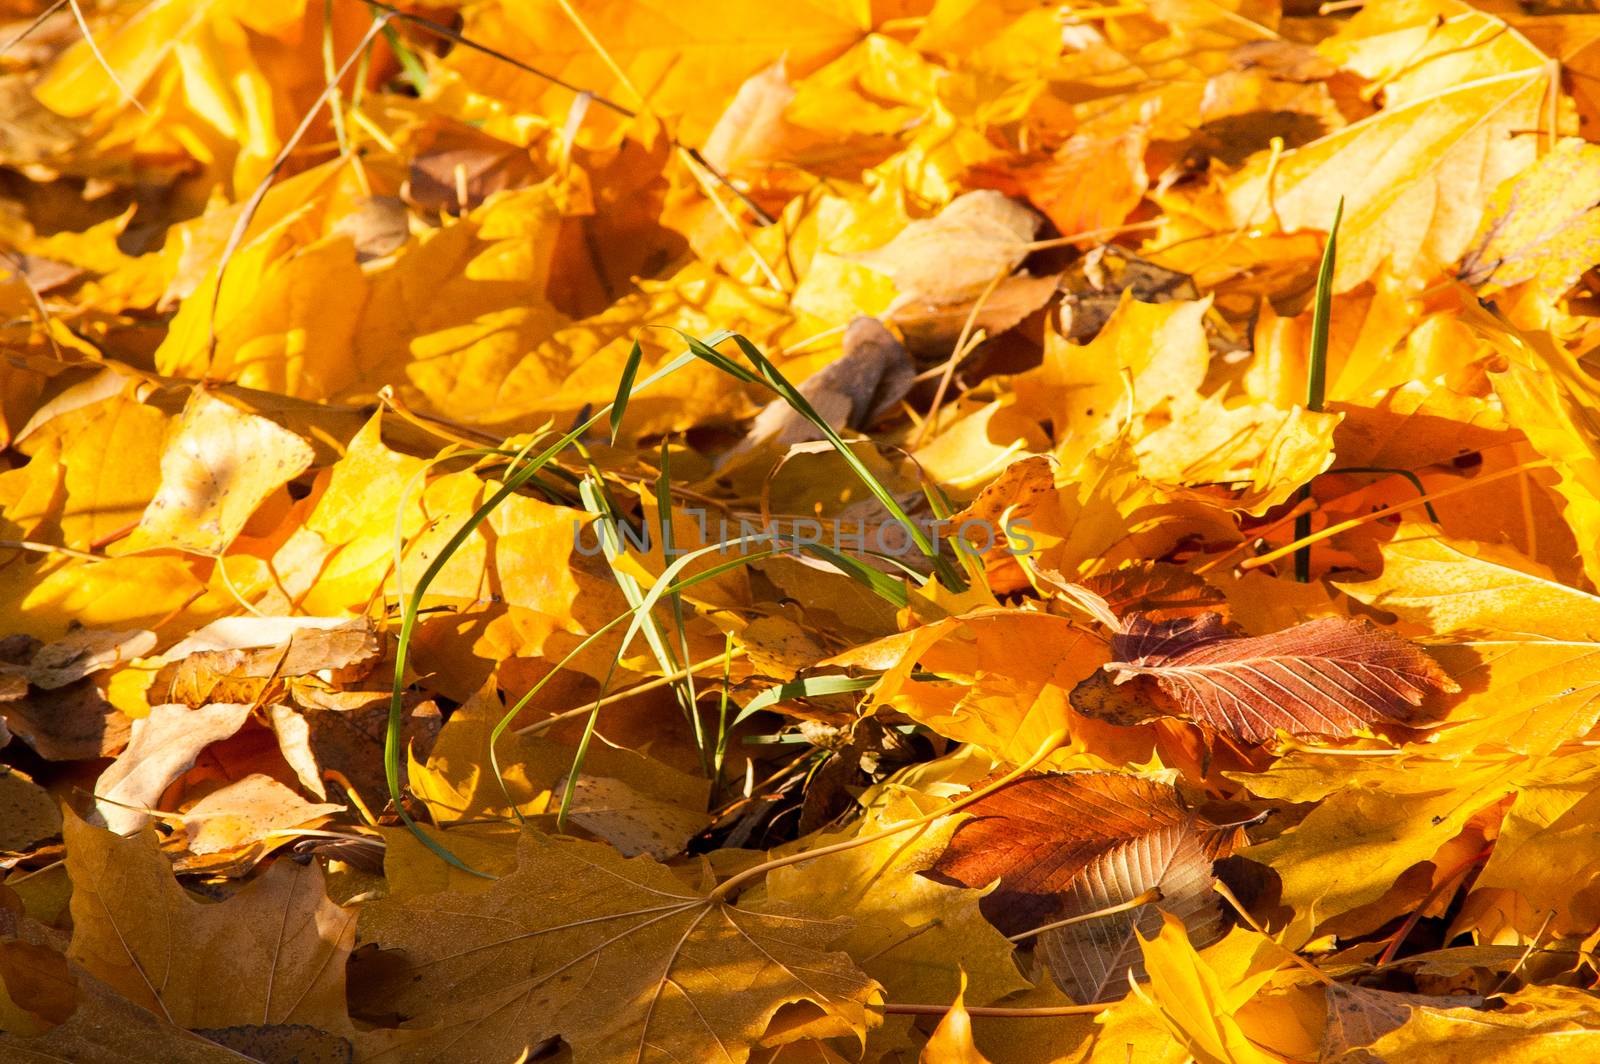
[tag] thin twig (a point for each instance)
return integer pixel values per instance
(1244, 914)
(1533, 944)
(1458, 872)
(1151, 895)
(965, 343)
(248, 213)
(627, 693)
(50, 548)
(39, 20)
(1377, 515)
(45, 320)
(94, 49)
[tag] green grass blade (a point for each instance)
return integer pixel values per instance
(413, 604)
(416, 75)
(630, 615)
(809, 687)
(883, 585)
(688, 698)
(722, 715)
(619, 405)
(774, 379)
(1317, 371)
(596, 501)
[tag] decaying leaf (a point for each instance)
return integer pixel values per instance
(1358, 1016)
(1533, 1024)
(1326, 677)
(1541, 225)
(274, 952)
(630, 821)
(1064, 846)
(310, 314)
(69, 723)
(455, 168)
(666, 971)
(161, 747)
(867, 382)
(243, 815)
(978, 240)
(28, 814)
(1153, 590)
(236, 661)
(83, 652)
(1094, 288)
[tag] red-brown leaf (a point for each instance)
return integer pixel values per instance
(1327, 677)
(1067, 844)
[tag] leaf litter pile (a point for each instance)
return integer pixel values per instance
(831, 531)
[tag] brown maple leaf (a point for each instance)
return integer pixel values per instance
(1330, 676)
(615, 955)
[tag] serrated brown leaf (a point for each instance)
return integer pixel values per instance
(1063, 845)
(1329, 677)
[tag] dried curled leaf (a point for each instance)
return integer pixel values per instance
(237, 659)
(1156, 590)
(974, 242)
(867, 382)
(1069, 844)
(163, 747)
(1331, 676)
(85, 651)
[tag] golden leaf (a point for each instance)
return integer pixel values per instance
(616, 956)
